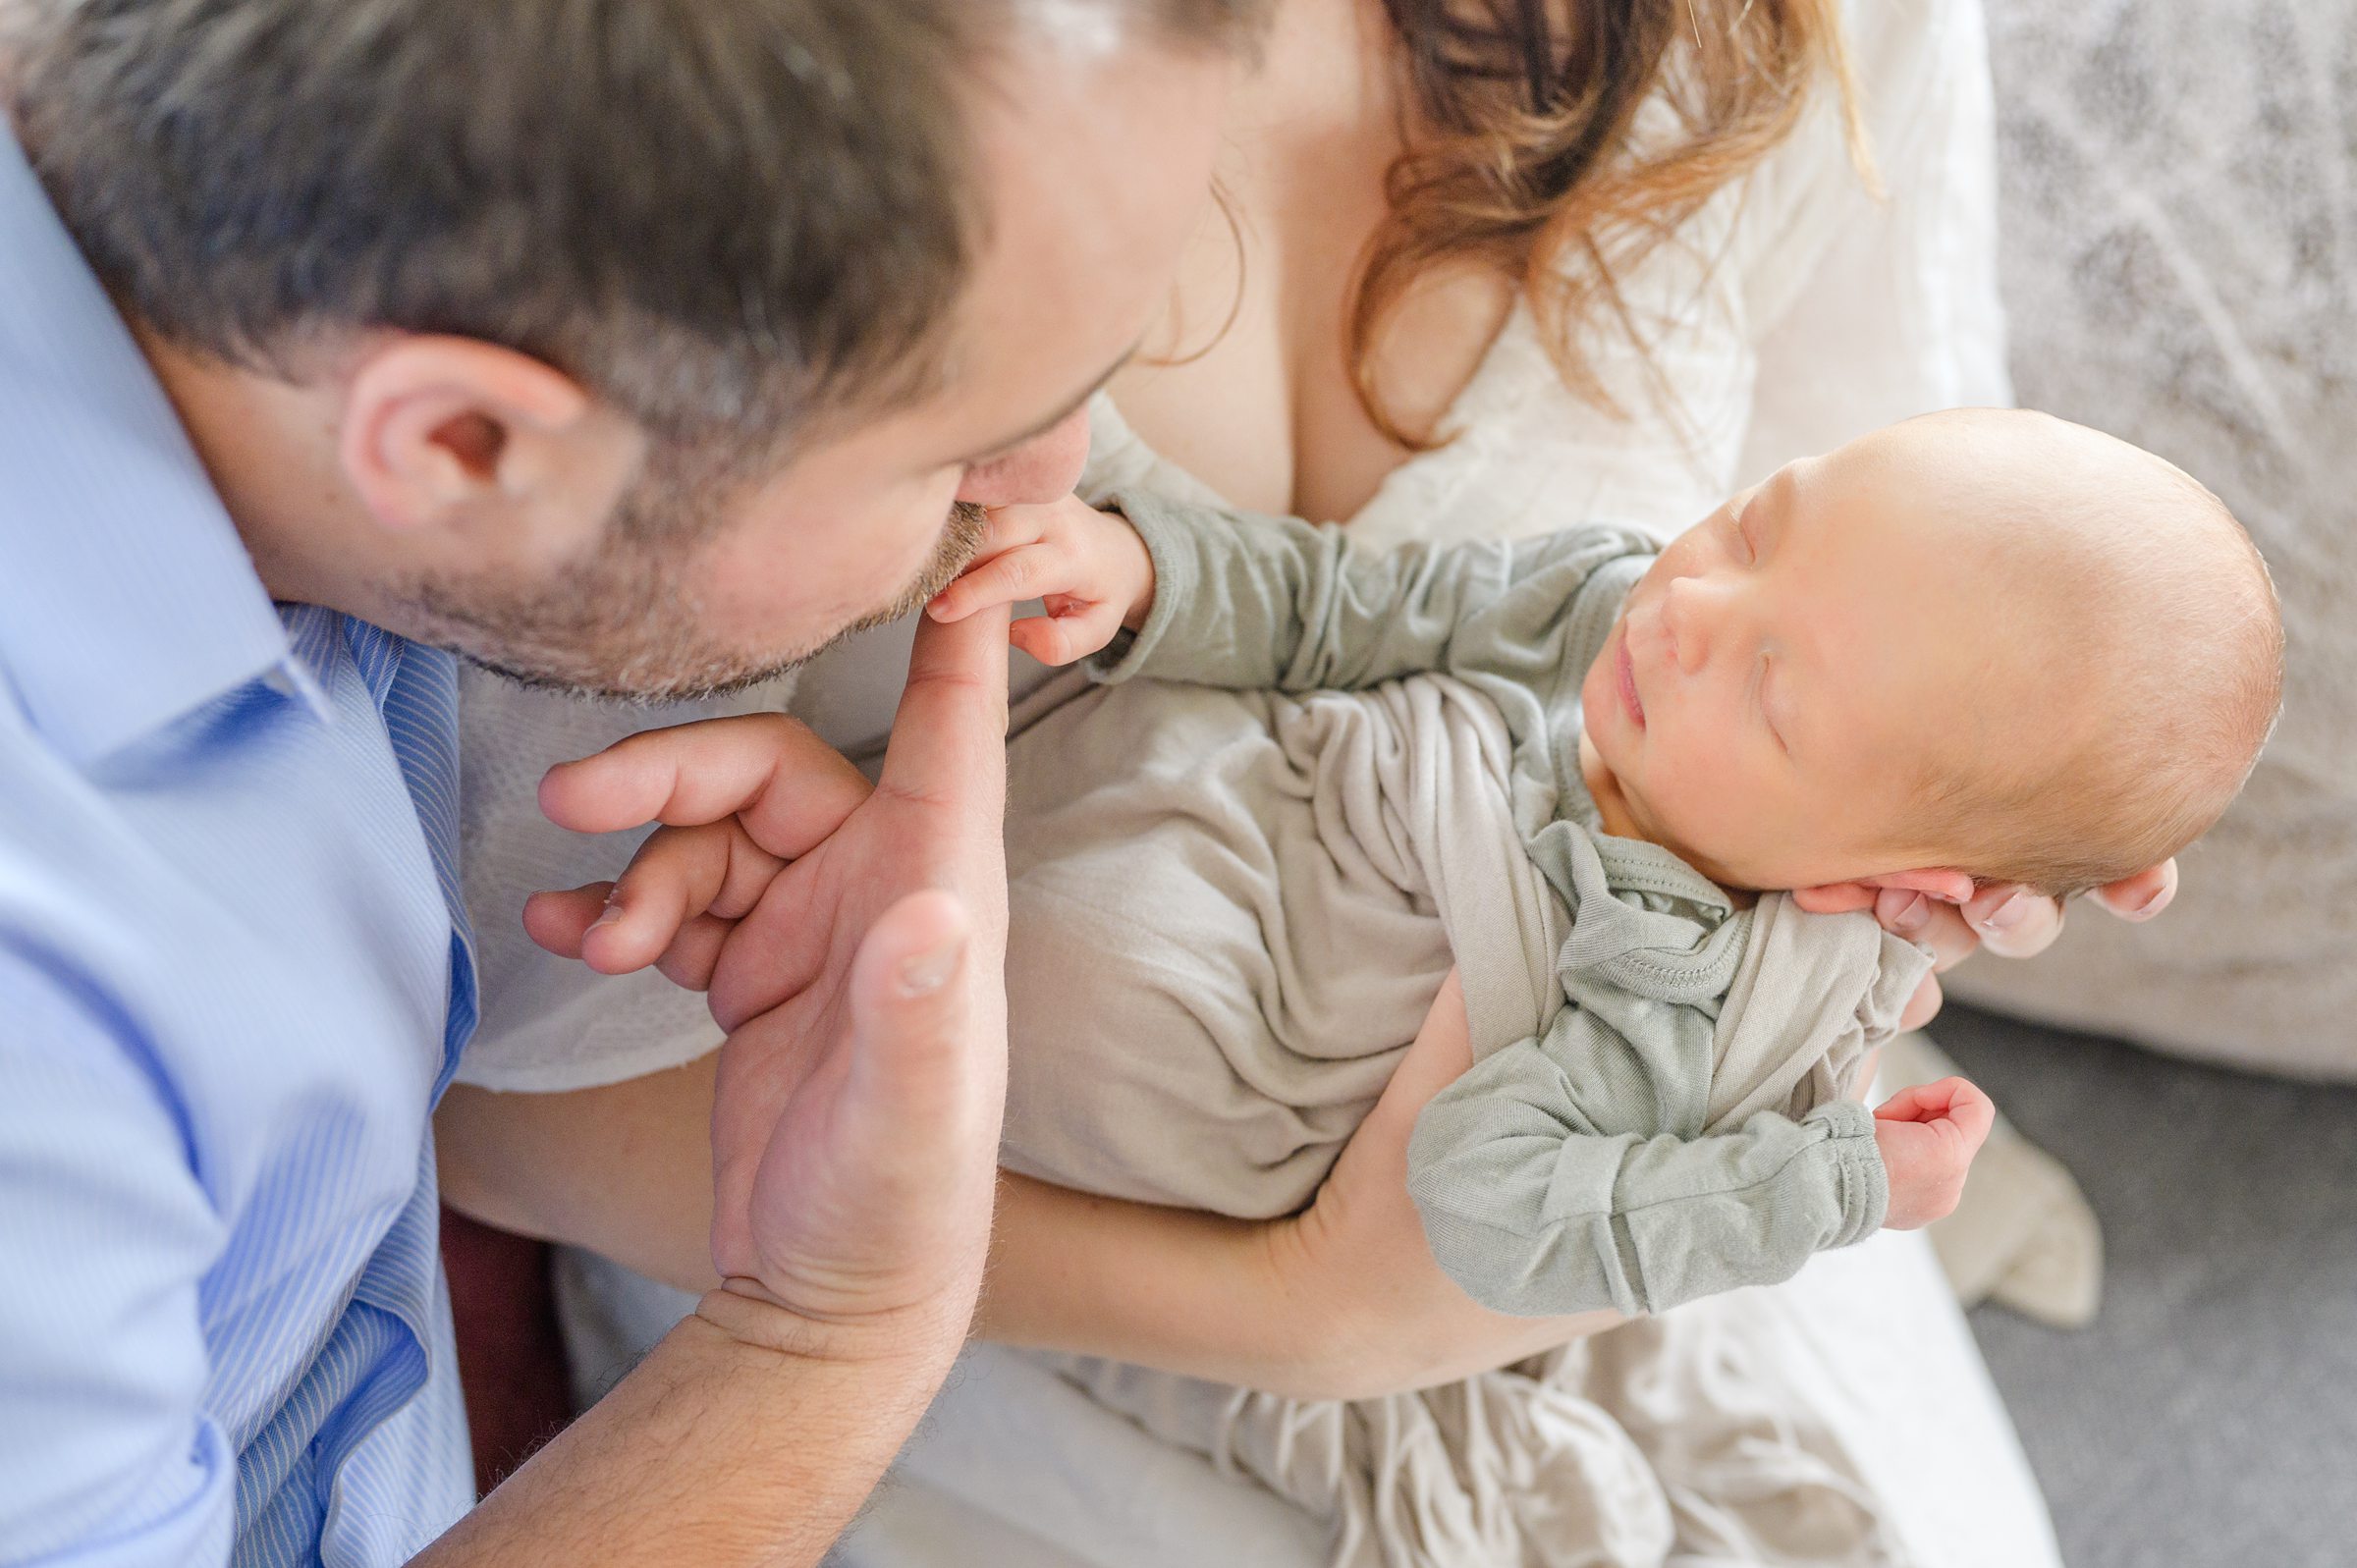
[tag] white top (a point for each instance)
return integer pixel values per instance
(1828, 313)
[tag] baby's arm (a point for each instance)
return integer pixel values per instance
(1235, 599)
(1538, 1197)
(1546, 1188)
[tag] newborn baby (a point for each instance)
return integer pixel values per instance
(1978, 646)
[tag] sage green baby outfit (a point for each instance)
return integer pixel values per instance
(1235, 885)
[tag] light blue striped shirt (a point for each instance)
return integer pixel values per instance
(232, 986)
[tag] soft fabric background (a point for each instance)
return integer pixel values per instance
(2179, 185)
(2179, 189)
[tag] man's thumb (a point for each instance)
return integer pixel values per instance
(912, 1001)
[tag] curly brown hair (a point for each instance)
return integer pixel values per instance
(1525, 162)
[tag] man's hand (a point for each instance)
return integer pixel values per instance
(1927, 1136)
(1089, 569)
(2010, 920)
(854, 943)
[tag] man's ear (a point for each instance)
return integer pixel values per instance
(1839, 897)
(437, 427)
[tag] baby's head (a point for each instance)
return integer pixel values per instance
(1984, 642)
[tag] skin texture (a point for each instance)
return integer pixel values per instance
(1265, 412)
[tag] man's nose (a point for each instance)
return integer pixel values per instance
(1041, 469)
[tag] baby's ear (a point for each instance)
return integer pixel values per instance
(1840, 897)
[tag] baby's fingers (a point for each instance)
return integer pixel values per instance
(1958, 1101)
(1029, 572)
(1061, 638)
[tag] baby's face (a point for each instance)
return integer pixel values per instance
(1778, 679)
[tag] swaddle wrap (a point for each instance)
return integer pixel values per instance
(1231, 910)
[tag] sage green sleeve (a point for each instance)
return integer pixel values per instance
(1268, 603)
(1567, 1172)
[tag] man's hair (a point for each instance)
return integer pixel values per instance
(2163, 646)
(720, 215)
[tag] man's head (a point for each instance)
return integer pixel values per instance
(1982, 645)
(640, 348)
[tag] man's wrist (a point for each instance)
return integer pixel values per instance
(925, 1333)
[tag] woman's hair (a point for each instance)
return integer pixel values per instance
(1525, 162)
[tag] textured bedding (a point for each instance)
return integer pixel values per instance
(2179, 259)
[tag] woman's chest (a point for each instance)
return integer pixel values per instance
(1250, 381)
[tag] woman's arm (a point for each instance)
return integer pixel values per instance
(1342, 1301)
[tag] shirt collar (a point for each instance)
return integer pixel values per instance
(127, 598)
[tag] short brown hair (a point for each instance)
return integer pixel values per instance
(716, 215)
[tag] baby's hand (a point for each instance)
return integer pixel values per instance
(1927, 1136)
(1089, 568)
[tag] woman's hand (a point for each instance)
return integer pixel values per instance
(2007, 918)
(1355, 1267)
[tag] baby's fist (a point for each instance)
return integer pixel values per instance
(1088, 568)
(1927, 1136)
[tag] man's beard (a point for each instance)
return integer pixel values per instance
(621, 626)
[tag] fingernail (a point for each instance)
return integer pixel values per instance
(608, 916)
(1913, 916)
(928, 972)
(2009, 915)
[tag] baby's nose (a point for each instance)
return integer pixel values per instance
(1686, 618)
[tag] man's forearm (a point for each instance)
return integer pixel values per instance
(621, 1170)
(714, 1450)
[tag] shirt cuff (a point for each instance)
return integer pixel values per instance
(1163, 528)
(1858, 1165)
